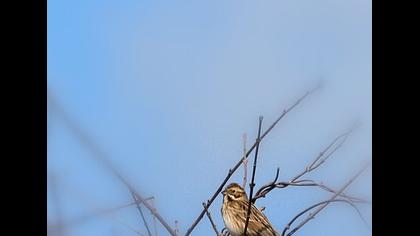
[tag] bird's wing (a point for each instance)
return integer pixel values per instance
(260, 223)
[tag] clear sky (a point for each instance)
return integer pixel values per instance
(167, 88)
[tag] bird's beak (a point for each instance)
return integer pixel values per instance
(224, 192)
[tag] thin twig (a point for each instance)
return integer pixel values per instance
(324, 155)
(103, 159)
(86, 217)
(154, 218)
(350, 198)
(141, 213)
(254, 169)
(266, 188)
(320, 208)
(322, 203)
(56, 199)
(125, 225)
(321, 158)
(245, 161)
(91, 205)
(225, 232)
(176, 227)
(232, 170)
(307, 183)
(213, 225)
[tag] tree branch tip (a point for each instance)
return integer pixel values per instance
(356, 124)
(277, 175)
(319, 85)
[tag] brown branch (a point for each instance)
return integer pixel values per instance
(103, 159)
(254, 169)
(232, 170)
(213, 225)
(321, 207)
(245, 161)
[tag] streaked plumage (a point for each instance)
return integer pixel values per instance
(234, 212)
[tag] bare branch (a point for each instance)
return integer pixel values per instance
(304, 183)
(317, 162)
(86, 217)
(322, 157)
(321, 207)
(213, 225)
(232, 170)
(141, 213)
(266, 188)
(245, 161)
(345, 196)
(287, 227)
(91, 205)
(103, 159)
(225, 232)
(154, 218)
(254, 169)
(56, 199)
(129, 227)
(176, 227)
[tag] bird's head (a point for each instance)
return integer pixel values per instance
(234, 192)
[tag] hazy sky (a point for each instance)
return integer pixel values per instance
(167, 88)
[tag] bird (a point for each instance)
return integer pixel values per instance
(234, 212)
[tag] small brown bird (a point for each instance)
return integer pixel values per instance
(234, 212)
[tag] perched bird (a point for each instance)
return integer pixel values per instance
(234, 213)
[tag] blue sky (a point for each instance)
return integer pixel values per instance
(167, 88)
